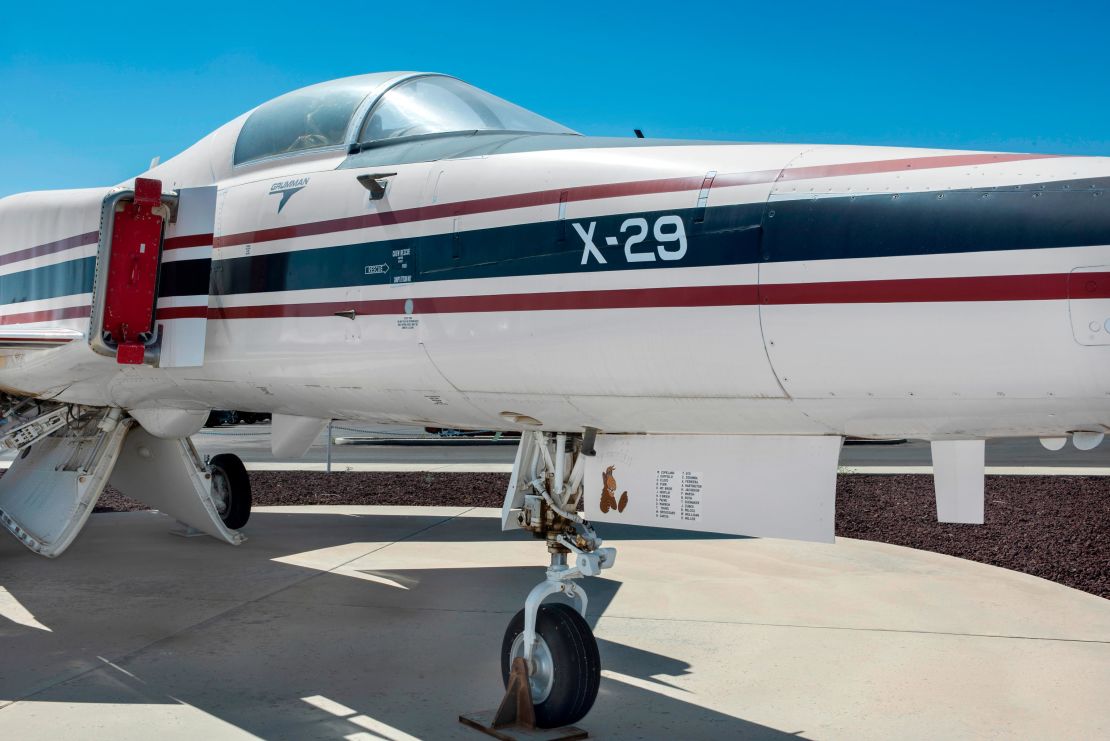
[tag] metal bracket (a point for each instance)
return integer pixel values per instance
(375, 183)
(36, 429)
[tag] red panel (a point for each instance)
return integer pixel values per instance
(130, 353)
(133, 271)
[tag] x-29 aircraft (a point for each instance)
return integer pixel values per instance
(683, 332)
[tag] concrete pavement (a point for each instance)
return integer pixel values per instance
(380, 622)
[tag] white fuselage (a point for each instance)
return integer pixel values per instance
(466, 316)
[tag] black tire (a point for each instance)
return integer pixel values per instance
(577, 664)
(238, 509)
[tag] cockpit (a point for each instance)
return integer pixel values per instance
(376, 110)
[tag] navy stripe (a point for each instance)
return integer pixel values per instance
(1021, 217)
(185, 278)
(1063, 214)
(50, 281)
(530, 249)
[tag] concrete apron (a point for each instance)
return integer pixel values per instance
(386, 622)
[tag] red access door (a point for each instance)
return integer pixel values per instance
(131, 288)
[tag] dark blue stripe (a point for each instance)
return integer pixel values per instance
(185, 278)
(529, 249)
(1062, 214)
(51, 281)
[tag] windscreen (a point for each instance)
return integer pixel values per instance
(437, 105)
(306, 119)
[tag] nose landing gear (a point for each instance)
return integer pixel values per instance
(551, 644)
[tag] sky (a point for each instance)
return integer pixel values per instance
(91, 92)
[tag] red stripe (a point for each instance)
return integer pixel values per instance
(1046, 287)
(914, 290)
(634, 298)
(50, 248)
(608, 190)
(901, 165)
(47, 315)
(461, 208)
(187, 240)
(182, 312)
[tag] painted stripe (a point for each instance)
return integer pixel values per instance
(49, 281)
(80, 240)
(182, 312)
(901, 165)
(185, 278)
(608, 190)
(188, 240)
(922, 290)
(1049, 287)
(47, 315)
(1062, 214)
(636, 298)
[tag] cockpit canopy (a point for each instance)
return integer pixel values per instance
(377, 109)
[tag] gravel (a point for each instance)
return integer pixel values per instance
(1055, 527)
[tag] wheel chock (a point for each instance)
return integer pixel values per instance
(515, 718)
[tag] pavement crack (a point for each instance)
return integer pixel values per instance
(908, 631)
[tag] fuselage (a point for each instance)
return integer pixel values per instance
(628, 285)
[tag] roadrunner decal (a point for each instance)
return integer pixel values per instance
(609, 492)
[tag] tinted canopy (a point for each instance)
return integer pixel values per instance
(327, 115)
(433, 104)
(314, 117)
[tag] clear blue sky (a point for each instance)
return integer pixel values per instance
(92, 92)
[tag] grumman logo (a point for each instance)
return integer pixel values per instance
(287, 188)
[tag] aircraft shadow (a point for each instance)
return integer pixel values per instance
(288, 651)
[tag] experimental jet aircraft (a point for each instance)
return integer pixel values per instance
(683, 332)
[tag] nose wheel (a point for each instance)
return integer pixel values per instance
(231, 490)
(564, 672)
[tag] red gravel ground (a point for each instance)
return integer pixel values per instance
(1055, 527)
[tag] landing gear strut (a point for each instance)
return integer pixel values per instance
(559, 650)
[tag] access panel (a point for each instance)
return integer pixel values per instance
(128, 262)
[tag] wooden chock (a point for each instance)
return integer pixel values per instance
(516, 707)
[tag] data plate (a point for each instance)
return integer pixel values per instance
(765, 486)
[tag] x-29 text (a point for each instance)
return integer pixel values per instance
(669, 232)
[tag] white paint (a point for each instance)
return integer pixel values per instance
(765, 486)
(171, 424)
(168, 476)
(1007, 368)
(1089, 322)
(291, 437)
(1087, 440)
(45, 500)
(1054, 443)
(958, 469)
